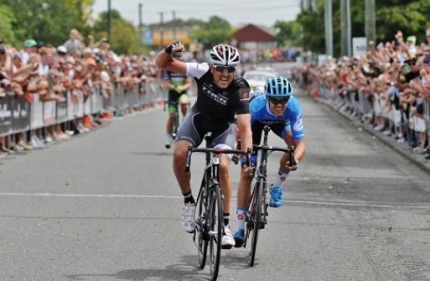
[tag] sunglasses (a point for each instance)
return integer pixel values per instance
(279, 101)
(220, 68)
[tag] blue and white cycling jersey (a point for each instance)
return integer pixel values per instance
(260, 112)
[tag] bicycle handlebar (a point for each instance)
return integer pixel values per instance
(289, 150)
(217, 151)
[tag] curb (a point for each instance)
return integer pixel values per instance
(400, 148)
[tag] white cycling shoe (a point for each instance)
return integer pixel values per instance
(227, 241)
(188, 221)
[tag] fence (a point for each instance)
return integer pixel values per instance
(18, 116)
(363, 105)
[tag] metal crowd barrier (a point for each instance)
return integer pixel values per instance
(17, 115)
(427, 115)
(361, 105)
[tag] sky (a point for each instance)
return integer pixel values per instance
(236, 12)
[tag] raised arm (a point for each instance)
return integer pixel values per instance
(164, 59)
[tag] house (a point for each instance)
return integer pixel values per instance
(254, 36)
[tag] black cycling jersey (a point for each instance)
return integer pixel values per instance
(221, 105)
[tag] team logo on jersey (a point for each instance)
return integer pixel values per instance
(298, 125)
(271, 122)
(213, 96)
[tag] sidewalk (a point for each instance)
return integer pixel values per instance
(401, 148)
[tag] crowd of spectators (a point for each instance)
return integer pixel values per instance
(280, 54)
(387, 90)
(50, 72)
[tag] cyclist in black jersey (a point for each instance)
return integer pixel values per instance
(177, 85)
(221, 108)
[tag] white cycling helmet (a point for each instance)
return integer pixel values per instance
(225, 55)
(256, 92)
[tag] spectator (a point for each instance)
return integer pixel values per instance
(30, 47)
(75, 41)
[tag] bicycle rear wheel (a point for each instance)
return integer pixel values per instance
(175, 125)
(255, 218)
(201, 236)
(215, 216)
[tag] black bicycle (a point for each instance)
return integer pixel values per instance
(256, 218)
(175, 104)
(209, 212)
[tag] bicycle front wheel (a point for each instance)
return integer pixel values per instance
(215, 233)
(255, 218)
(201, 236)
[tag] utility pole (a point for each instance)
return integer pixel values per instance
(345, 24)
(328, 28)
(369, 27)
(140, 15)
(174, 25)
(161, 29)
(109, 22)
(349, 30)
(140, 29)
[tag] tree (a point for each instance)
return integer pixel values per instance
(215, 31)
(44, 20)
(6, 22)
(313, 28)
(391, 15)
(289, 34)
(125, 38)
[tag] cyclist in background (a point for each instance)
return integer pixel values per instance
(177, 85)
(221, 107)
(279, 109)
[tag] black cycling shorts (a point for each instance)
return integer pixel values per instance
(196, 125)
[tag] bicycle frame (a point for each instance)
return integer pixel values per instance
(176, 116)
(257, 212)
(209, 198)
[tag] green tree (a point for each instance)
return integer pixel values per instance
(45, 20)
(289, 33)
(409, 16)
(6, 29)
(313, 29)
(217, 30)
(125, 38)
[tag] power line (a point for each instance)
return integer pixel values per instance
(221, 9)
(218, 4)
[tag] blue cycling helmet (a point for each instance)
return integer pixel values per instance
(256, 92)
(278, 87)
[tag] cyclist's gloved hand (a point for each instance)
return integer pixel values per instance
(174, 47)
(292, 167)
(253, 160)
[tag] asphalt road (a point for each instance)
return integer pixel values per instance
(105, 206)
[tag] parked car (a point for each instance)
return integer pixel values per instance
(257, 78)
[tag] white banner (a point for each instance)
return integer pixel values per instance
(359, 46)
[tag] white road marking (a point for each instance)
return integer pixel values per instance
(289, 201)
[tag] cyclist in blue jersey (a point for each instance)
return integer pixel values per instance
(279, 109)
